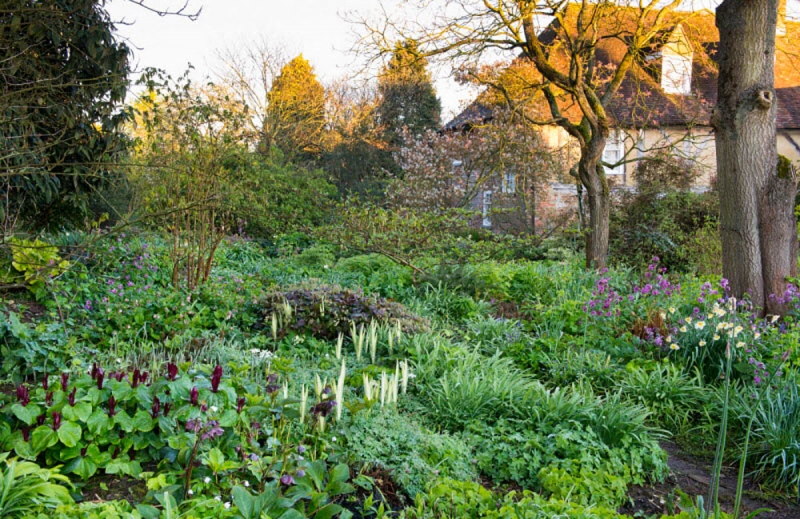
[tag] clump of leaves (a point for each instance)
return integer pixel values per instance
(325, 311)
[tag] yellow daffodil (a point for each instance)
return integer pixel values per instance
(701, 343)
(737, 331)
(716, 337)
(672, 309)
(740, 344)
(757, 335)
(688, 320)
(669, 338)
(700, 325)
(674, 346)
(683, 329)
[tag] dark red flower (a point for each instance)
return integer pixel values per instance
(64, 381)
(193, 395)
(45, 382)
(40, 419)
(48, 399)
(240, 405)
(56, 420)
(23, 396)
(216, 376)
(172, 371)
(112, 406)
(26, 433)
(71, 397)
(166, 408)
(156, 409)
(93, 373)
(136, 378)
(100, 376)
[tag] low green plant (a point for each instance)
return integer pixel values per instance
(26, 488)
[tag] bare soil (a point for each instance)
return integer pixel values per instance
(692, 475)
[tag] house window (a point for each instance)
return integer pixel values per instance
(487, 208)
(509, 183)
(676, 74)
(613, 153)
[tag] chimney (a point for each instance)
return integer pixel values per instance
(780, 29)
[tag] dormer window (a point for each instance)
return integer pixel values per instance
(676, 74)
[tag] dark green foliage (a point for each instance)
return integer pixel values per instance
(665, 219)
(413, 455)
(64, 76)
(407, 96)
(325, 311)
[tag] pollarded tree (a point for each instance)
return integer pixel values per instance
(578, 83)
(406, 94)
(756, 189)
(296, 111)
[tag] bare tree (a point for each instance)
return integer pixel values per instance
(565, 56)
(757, 190)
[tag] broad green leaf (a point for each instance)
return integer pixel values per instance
(244, 502)
(328, 511)
(99, 422)
(82, 466)
(69, 433)
(124, 421)
(215, 460)
(43, 437)
(142, 421)
(27, 414)
(79, 412)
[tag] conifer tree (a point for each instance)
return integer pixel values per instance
(296, 112)
(407, 96)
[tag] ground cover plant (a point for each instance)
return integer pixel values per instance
(302, 384)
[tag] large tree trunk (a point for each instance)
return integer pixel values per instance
(599, 200)
(756, 199)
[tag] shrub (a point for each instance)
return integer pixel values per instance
(414, 455)
(325, 311)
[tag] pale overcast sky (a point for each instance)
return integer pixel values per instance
(313, 27)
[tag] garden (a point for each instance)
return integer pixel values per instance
(300, 381)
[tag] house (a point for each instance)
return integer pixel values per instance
(664, 102)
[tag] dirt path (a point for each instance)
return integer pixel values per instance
(692, 475)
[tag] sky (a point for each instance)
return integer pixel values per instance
(313, 27)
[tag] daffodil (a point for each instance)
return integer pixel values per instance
(737, 331)
(700, 325)
(672, 309)
(669, 338)
(674, 346)
(774, 318)
(740, 344)
(716, 337)
(701, 343)
(662, 315)
(688, 320)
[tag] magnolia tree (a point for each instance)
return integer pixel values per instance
(451, 170)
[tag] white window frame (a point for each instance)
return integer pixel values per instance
(509, 183)
(614, 153)
(487, 208)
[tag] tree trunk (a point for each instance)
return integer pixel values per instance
(599, 200)
(756, 198)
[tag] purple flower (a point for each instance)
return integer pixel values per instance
(212, 430)
(193, 425)
(87, 305)
(301, 473)
(172, 371)
(23, 396)
(301, 449)
(193, 396)
(287, 479)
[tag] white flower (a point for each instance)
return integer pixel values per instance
(214, 409)
(701, 343)
(700, 325)
(227, 505)
(674, 346)
(716, 337)
(672, 310)
(774, 318)
(255, 351)
(737, 331)
(218, 498)
(191, 492)
(247, 484)
(207, 480)
(669, 338)
(740, 344)
(333, 438)
(688, 320)
(683, 329)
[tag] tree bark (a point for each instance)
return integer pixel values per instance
(757, 224)
(593, 179)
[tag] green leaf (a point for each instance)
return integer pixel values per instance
(99, 422)
(43, 437)
(27, 414)
(24, 450)
(292, 514)
(229, 418)
(328, 511)
(84, 467)
(316, 470)
(340, 472)
(69, 433)
(79, 412)
(142, 421)
(244, 502)
(124, 421)
(215, 460)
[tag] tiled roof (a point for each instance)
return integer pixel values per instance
(640, 100)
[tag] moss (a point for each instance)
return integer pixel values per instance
(784, 167)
